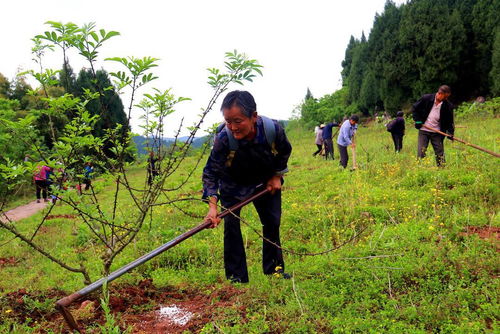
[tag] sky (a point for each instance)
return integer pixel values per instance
(301, 44)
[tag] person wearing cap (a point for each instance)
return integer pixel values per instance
(319, 139)
(433, 111)
(397, 129)
(327, 139)
(232, 174)
(344, 139)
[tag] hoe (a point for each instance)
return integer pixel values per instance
(63, 303)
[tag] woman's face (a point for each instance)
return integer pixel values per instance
(241, 126)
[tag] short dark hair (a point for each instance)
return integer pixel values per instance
(400, 114)
(355, 118)
(242, 99)
(444, 89)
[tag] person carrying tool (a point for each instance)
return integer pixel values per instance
(327, 139)
(397, 129)
(434, 111)
(248, 150)
(344, 139)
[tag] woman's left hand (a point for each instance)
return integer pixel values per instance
(274, 184)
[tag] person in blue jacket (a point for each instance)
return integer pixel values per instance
(249, 151)
(344, 139)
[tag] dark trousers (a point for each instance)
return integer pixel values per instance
(87, 183)
(344, 157)
(328, 148)
(41, 188)
(151, 177)
(437, 143)
(269, 209)
(398, 141)
(319, 149)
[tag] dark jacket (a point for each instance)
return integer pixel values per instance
(253, 163)
(328, 129)
(397, 126)
(422, 108)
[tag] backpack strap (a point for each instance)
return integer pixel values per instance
(270, 133)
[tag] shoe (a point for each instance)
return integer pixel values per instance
(280, 273)
(38, 201)
(234, 280)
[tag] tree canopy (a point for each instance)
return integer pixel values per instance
(415, 47)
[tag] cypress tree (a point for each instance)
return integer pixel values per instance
(495, 65)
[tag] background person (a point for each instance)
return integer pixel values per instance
(434, 111)
(40, 179)
(319, 139)
(87, 174)
(397, 129)
(232, 174)
(327, 139)
(152, 167)
(344, 139)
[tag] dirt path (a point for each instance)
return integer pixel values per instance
(23, 211)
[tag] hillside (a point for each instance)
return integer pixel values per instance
(427, 261)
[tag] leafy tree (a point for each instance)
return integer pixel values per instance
(67, 80)
(347, 62)
(20, 90)
(309, 95)
(495, 68)
(417, 46)
(108, 107)
(368, 95)
(485, 21)
(112, 228)
(327, 108)
(4, 87)
(358, 68)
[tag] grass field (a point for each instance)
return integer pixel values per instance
(419, 266)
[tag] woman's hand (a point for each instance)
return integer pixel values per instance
(212, 213)
(274, 184)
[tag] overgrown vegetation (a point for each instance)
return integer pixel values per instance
(418, 267)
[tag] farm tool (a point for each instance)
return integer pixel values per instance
(463, 141)
(62, 304)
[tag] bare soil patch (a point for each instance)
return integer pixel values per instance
(23, 211)
(484, 232)
(489, 233)
(7, 261)
(143, 308)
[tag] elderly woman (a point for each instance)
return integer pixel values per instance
(250, 150)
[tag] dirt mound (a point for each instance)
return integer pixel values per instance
(173, 310)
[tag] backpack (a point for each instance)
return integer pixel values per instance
(390, 125)
(269, 132)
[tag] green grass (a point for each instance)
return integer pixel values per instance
(434, 278)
